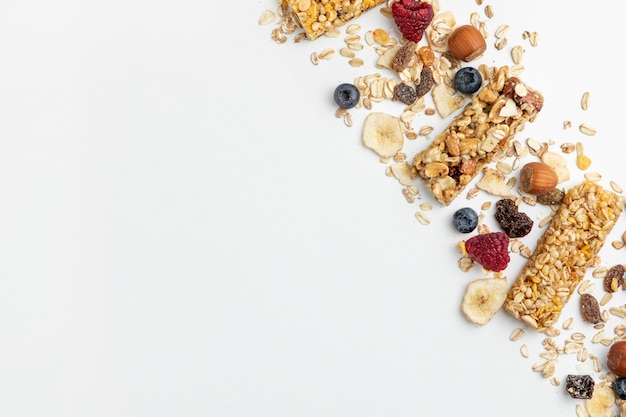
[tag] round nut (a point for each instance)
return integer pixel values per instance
(466, 43)
(537, 178)
(616, 358)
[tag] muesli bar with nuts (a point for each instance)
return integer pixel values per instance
(482, 131)
(576, 234)
(316, 16)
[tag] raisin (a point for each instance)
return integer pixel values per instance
(513, 222)
(590, 309)
(404, 93)
(579, 386)
(614, 278)
(551, 198)
(427, 81)
(404, 57)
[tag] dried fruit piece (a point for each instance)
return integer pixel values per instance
(404, 57)
(551, 198)
(558, 163)
(483, 298)
(590, 309)
(601, 403)
(614, 278)
(446, 102)
(579, 386)
(404, 93)
(382, 134)
(511, 220)
(491, 250)
(427, 81)
(427, 55)
(493, 182)
(412, 18)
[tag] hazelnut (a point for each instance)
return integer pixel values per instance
(466, 43)
(616, 358)
(537, 178)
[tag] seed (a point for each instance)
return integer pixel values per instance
(353, 28)
(426, 206)
(616, 187)
(489, 11)
(267, 17)
(524, 350)
(584, 102)
(422, 218)
(347, 52)
(593, 176)
(327, 54)
(516, 334)
(586, 129)
(517, 53)
(356, 62)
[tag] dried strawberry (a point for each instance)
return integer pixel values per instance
(491, 250)
(412, 18)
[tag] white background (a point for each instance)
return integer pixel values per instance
(187, 230)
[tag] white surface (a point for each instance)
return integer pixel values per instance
(187, 230)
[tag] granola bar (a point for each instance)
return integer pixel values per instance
(318, 16)
(476, 136)
(576, 234)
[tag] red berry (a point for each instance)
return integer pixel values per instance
(412, 18)
(491, 250)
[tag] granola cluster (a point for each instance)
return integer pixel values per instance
(475, 137)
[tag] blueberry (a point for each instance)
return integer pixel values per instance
(468, 80)
(346, 95)
(619, 387)
(465, 220)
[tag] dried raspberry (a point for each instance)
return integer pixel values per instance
(491, 250)
(412, 18)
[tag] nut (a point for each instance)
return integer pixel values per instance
(466, 43)
(616, 358)
(537, 178)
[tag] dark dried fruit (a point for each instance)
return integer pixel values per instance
(512, 221)
(404, 93)
(551, 198)
(427, 81)
(579, 386)
(405, 56)
(614, 278)
(590, 309)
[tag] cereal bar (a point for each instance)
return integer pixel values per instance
(476, 136)
(318, 16)
(569, 245)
